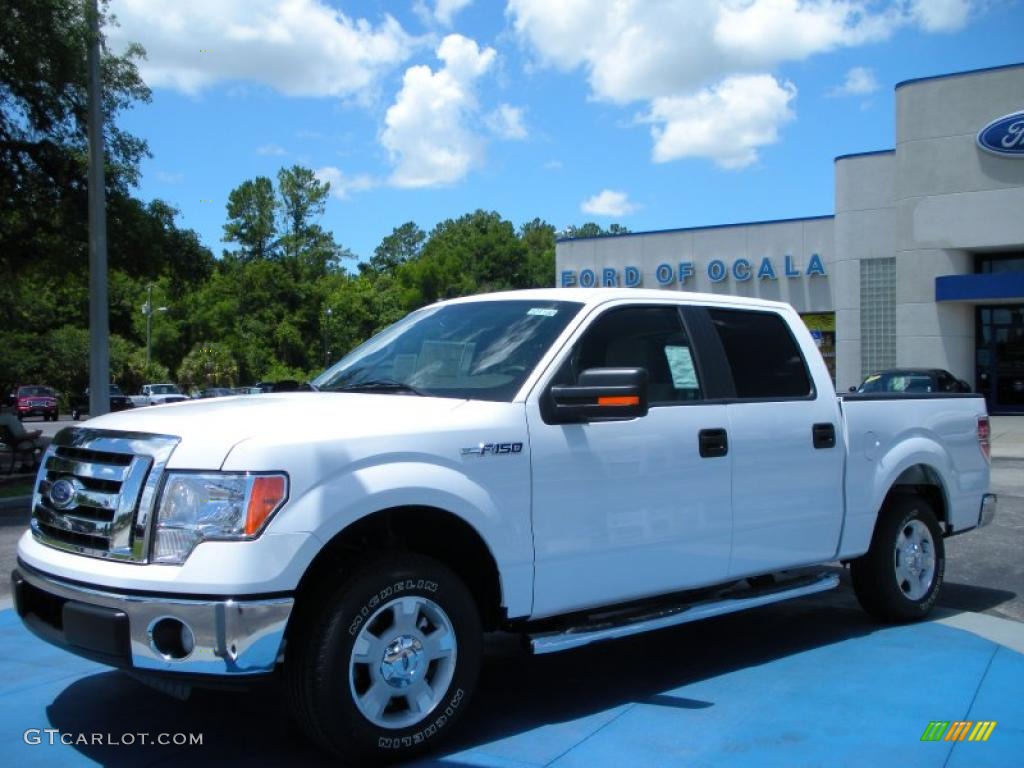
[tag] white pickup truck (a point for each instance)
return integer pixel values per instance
(158, 394)
(571, 465)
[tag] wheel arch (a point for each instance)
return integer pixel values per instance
(924, 480)
(422, 529)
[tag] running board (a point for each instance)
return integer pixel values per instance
(575, 637)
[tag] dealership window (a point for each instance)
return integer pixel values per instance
(823, 330)
(763, 355)
(877, 314)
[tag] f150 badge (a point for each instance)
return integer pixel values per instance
(493, 449)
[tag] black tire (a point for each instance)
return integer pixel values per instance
(75, 414)
(875, 578)
(322, 678)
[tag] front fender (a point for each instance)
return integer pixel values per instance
(495, 505)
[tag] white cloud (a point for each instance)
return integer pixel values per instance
(664, 52)
(553, 165)
(506, 122)
(297, 47)
(860, 81)
(342, 185)
(941, 15)
(272, 150)
(427, 131)
(608, 202)
(726, 122)
(170, 177)
(445, 10)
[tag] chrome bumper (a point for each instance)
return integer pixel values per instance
(229, 636)
(987, 512)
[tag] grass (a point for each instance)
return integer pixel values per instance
(16, 488)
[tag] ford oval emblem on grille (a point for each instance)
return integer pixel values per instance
(62, 493)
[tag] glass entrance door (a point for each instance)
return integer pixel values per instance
(999, 351)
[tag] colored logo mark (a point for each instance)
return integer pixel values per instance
(958, 730)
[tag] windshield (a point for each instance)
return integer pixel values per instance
(897, 382)
(480, 350)
(164, 389)
(35, 392)
(116, 391)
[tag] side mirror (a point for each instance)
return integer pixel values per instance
(601, 393)
(853, 389)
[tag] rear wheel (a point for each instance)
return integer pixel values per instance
(387, 662)
(900, 576)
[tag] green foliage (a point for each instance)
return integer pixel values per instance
(251, 218)
(590, 229)
(209, 364)
(280, 305)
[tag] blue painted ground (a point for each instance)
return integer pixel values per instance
(802, 684)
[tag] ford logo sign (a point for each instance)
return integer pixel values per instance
(1004, 136)
(62, 493)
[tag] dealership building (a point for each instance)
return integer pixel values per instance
(922, 264)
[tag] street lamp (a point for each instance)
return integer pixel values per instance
(148, 309)
(327, 352)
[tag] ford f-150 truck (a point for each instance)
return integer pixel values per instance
(572, 465)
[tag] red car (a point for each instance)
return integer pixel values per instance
(34, 400)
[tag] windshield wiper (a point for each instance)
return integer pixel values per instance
(381, 385)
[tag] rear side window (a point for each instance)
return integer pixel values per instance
(763, 355)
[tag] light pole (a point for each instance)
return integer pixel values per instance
(147, 310)
(327, 352)
(99, 323)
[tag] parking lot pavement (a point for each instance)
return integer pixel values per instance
(803, 683)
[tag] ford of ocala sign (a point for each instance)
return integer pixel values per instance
(717, 270)
(1004, 136)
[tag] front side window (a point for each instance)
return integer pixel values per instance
(481, 350)
(652, 338)
(763, 356)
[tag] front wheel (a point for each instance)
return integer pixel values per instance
(900, 576)
(388, 661)
(75, 414)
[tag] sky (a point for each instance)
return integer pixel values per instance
(653, 114)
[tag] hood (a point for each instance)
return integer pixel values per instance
(209, 429)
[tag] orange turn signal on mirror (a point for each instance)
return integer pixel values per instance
(268, 491)
(625, 400)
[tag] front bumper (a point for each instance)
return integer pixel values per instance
(229, 637)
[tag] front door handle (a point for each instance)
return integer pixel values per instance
(823, 435)
(713, 443)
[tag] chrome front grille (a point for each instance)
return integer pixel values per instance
(96, 491)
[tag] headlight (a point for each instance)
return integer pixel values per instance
(195, 507)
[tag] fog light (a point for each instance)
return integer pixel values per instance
(171, 638)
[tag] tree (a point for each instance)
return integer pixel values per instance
(590, 229)
(402, 245)
(539, 240)
(302, 198)
(251, 218)
(43, 131)
(209, 364)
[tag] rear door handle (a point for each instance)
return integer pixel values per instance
(824, 435)
(713, 443)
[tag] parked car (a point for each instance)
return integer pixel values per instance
(159, 394)
(119, 401)
(214, 392)
(282, 385)
(570, 465)
(33, 400)
(912, 381)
